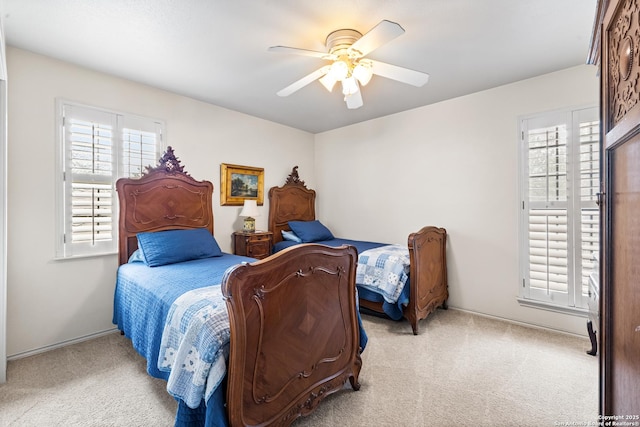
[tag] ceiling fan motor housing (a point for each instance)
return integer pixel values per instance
(340, 40)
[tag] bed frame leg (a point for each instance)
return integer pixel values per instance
(355, 385)
(592, 337)
(353, 379)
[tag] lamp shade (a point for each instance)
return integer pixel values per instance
(354, 100)
(349, 86)
(328, 82)
(363, 72)
(250, 209)
(339, 70)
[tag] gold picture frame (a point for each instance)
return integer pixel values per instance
(239, 183)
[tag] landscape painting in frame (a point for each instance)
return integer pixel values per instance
(240, 183)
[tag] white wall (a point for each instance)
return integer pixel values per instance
(453, 165)
(50, 302)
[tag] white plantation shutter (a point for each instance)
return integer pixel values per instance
(589, 170)
(548, 223)
(548, 250)
(88, 176)
(560, 223)
(140, 143)
(98, 148)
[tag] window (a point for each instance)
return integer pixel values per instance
(559, 224)
(97, 147)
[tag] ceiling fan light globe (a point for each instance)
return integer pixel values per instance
(328, 82)
(363, 73)
(349, 86)
(354, 101)
(339, 70)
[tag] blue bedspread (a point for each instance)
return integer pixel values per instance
(175, 316)
(392, 309)
(143, 298)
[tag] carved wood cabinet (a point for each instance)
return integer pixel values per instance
(256, 244)
(616, 49)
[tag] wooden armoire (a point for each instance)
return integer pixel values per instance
(615, 48)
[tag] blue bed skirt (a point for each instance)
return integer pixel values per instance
(213, 414)
(394, 311)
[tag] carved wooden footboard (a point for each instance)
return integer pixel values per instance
(427, 276)
(294, 333)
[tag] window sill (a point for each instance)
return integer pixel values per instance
(83, 256)
(574, 311)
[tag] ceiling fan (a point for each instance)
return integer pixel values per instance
(347, 49)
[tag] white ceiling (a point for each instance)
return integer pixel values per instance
(216, 50)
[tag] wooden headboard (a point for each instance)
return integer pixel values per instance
(291, 202)
(164, 198)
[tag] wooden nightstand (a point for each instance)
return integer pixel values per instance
(256, 245)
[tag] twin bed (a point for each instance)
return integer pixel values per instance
(241, 341)
(288, 325)
(425, 263)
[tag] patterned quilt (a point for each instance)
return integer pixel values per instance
(195, 345)
(384, 270)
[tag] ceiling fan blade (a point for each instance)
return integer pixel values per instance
(354, 100)
(304, 81)
(382, 33)
(304, 52)
(404, 75)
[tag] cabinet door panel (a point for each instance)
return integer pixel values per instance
(620, 254)
(624, 286)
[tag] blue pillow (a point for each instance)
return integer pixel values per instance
(291, 236)
(172, 246)
(310, 231)
(136, 256)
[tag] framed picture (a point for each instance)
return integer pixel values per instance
(239, 183)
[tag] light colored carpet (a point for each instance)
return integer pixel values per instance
(462, 370)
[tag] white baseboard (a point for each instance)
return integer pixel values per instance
(60, 344)
(110, 331)
(527, 325)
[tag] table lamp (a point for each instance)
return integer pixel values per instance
(249, 210)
